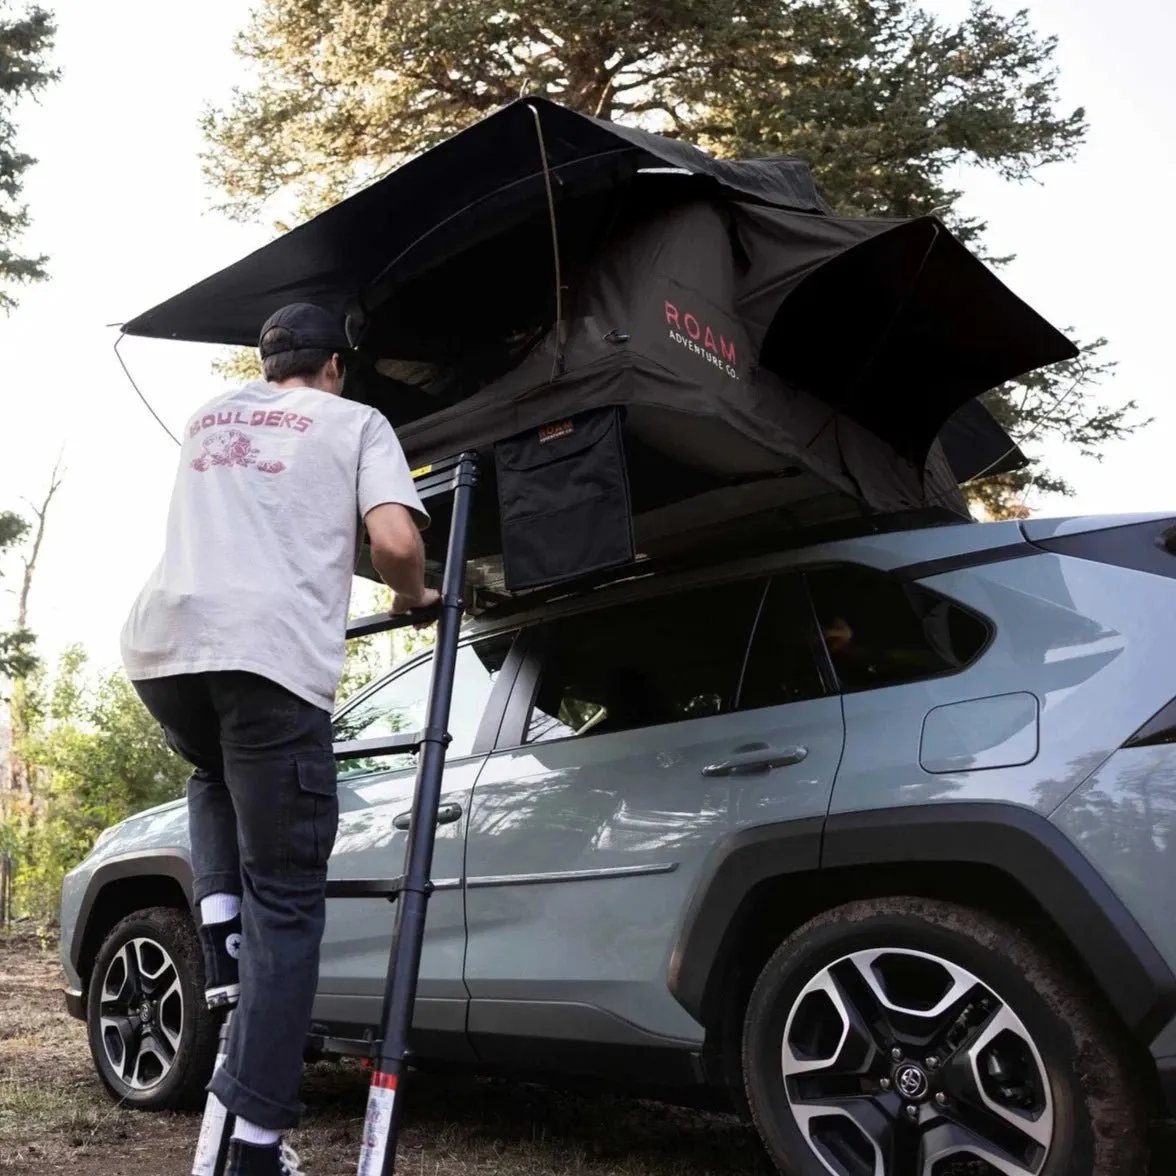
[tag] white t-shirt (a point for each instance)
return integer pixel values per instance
(263, 533)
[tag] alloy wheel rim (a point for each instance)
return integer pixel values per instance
(900, 1063)
(141, 1014)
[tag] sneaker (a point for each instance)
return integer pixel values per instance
(249, 1159)
(221, 945)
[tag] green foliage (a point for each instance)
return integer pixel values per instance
(97, 757)
(370, 657)
(25, 43)
(883, 98)
(237, 366)
(364, 663)
(886, 100)
(349, 89)
(12, 529)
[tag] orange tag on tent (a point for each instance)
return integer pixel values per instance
(551, 432)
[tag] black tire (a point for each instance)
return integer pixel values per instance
(180, 1024)
(1099, 1122)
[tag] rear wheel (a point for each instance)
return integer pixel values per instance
(152, 1038)
(911, 1037)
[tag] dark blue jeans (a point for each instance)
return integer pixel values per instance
(263, 810)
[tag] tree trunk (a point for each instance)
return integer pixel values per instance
(16, 806)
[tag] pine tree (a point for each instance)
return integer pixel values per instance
(25, 43)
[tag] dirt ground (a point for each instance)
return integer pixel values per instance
(56, 1118)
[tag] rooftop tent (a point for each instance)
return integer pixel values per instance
(651, 348)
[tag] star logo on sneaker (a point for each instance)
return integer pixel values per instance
(233, 945)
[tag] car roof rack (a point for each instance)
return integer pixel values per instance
(697, 557)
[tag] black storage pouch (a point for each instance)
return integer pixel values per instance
(563, 500)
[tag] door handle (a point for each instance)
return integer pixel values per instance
(446, 815)
(758, 757)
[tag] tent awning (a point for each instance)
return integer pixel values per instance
(456, 194)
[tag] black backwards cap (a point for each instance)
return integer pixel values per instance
(305, 327)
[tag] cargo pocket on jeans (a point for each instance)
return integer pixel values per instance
(319, 789)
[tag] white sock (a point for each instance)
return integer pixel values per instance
(219, 908)
(248, 1132)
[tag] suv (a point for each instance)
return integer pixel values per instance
(873, 839)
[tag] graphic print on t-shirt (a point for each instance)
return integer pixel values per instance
(232, 448)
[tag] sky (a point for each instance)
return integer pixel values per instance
(119, 203)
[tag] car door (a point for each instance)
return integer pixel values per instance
(587, 837)
(375, 800)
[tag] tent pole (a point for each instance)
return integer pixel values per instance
(557, 364)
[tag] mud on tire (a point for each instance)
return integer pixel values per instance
(920, 1036)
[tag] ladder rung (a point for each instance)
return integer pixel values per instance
(445, 466)
(383, 622)
(353, 1047)
(442, 476)
(364, 887)
(385, 745)
(434, 485)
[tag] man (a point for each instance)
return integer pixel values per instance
(236, 647)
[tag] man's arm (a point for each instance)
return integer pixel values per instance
(393, 514)
(398, 555)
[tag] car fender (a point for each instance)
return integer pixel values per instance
(714, 918)
(1016, 841)
(145, 864)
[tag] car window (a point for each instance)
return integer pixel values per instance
(880, 632)
(782, 664)
(656, 661)
(400, 704)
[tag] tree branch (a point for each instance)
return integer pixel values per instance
(660, 75)
(30, 562)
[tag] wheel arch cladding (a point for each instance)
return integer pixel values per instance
(1002, 839)
(122, 885)
(723, 904)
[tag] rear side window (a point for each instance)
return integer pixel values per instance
(782, 665)
(655, 661)
(880, 632)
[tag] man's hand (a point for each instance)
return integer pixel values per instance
(398, 555)
(405, 604)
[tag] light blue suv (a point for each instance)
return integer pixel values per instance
(873, 840)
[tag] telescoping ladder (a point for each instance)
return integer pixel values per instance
(411, 889)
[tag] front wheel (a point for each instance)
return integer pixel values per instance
(152, 1038)
(912, 1037)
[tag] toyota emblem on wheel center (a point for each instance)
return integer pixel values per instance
(911, 1082)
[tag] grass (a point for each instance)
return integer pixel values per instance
(55, 1116)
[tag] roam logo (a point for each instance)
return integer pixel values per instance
(688, 332)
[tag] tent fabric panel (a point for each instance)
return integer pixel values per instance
(461, 189)
(754, 430)
(902, 330)
(783, 248)
(976, 446)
